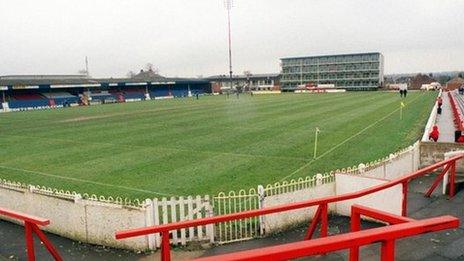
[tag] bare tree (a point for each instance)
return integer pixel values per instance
(151, 68)
(130, 74)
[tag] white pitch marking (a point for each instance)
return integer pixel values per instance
(86, 181)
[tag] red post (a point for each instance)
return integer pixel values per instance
(48, 245)
(31, 224)
(165, 247)
(29, 241)
(355, 226)
(404, 207)
(324, 221)
(438, 179)
(388, 250)
(452, 179)
(314, 222)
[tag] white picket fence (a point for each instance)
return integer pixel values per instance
(177, 209)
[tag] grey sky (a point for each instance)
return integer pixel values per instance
(188, 37)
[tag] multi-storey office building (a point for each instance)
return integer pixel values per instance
(360, 71)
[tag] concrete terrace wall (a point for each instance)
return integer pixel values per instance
(433, 152)
(76, 218)
(389, 200)
(341, 182)
(280, 221)
(390, 168)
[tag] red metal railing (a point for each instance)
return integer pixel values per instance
(457, 115)
(402, 227)
(322, 203)
(31, 226)
(357, 211)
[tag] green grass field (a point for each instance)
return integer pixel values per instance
(188, 147)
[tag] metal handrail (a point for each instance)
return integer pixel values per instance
(448, 164)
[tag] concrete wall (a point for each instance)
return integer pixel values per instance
(431, 121)
(401, 165)
(433, 152)
(83, 220)
(389, 200)
(346, 181)
(392, 167)
(280, 221)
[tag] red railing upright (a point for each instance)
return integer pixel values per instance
(31, 226)
(457, 114)
(320, 216)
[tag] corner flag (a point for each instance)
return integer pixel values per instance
(402, 105)
(315, 143)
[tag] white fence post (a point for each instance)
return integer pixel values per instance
(157, 221)
(199, 215)
(173, 207)
(182, 218)
(319, 179)
(190, 216)
(209, 213)
(149, 221)
(262, 218)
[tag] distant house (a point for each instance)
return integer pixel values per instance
(420, 79)
(454, 83)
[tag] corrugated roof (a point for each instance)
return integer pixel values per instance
(457, 79)
(16, 81)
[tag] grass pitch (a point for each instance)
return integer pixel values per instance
(187, 146)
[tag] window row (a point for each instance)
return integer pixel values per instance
(332, 59)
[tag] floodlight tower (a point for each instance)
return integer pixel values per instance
(228, 4)
(87, 66)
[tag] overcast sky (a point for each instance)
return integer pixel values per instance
(189, 37)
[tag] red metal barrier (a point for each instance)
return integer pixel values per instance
(321, 214)
(386, 235)
(31, 225)
(357, 211)
(457, 115)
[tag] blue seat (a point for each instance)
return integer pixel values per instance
(16, 104)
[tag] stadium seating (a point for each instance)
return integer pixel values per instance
(134, 94)
(103, 96)
(176, 91)
(159, 92)
(28, 101)
(62, 98)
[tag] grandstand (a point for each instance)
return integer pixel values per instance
(24, 92)
(451, 121)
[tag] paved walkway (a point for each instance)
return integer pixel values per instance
(12, 247)
(445, 121)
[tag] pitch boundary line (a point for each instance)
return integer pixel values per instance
(346, 140)
(85, 181)
(164, 148)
